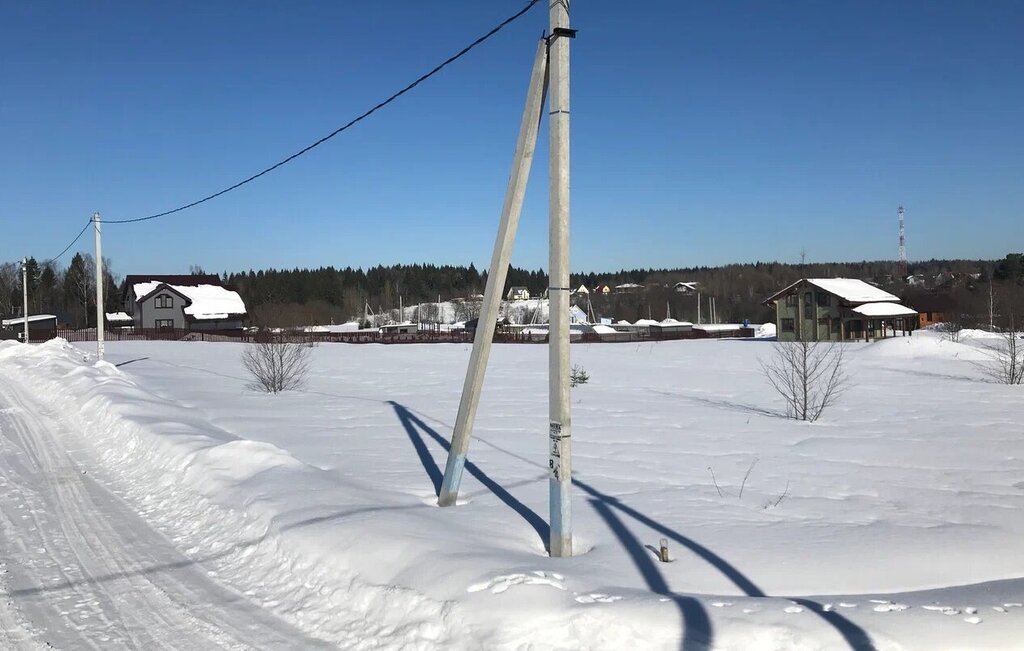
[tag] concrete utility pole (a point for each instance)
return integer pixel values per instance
(514, 193)
(24, 296)
(99, 288)
(560, 425)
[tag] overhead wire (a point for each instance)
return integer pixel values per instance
(68, 247)
(438, 68)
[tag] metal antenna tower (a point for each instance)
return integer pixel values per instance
(903, 247)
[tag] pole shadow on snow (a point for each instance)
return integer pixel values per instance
(698, 632)
(726, 404)
(856, 637)
(414, 425)
(137, 359)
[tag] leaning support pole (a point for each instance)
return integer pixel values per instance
(510, 212)
(560, 422)
(99, 288)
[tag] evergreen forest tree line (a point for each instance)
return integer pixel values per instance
(283, 297)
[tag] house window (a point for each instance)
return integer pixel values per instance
(808, 299)
(787, 325)
(791, 300)
(164, 301)
(823, 299)
(165, 323)
(835, 326)
(929, 316)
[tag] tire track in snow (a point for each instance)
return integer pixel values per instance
(85, 569)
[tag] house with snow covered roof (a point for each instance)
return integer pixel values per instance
(517, 294)
(196, 302)
(838, 309)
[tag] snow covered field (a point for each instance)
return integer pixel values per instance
(893, 523)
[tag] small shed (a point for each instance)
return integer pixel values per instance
(932, 308)
(40, 327)
(407, 328)
(119, 320)
(670, 328)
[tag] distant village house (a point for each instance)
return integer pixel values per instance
(198, 302)
(518, 294)
(838, 309)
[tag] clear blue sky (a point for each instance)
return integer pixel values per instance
(703, 132)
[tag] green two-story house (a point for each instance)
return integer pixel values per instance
(838, 309)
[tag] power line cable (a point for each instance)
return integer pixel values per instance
(351, 123)
(66, 248)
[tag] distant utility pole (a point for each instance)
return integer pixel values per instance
(903, 245)
(24, 296)
(550, 71)
(99, 287)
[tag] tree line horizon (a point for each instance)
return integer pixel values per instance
(318, 295)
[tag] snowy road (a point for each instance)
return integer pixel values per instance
(79, 569)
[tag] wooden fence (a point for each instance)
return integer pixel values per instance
(363, 337)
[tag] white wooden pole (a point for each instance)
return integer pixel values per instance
(99, 287)
(559, 415)
(24, 296)
(510, 211)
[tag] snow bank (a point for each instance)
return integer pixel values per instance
(909, 483)
(223, 498)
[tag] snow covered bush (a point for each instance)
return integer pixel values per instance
(578, 376)
(1005, 363)
(808, 375)
(950, 330)
(277, 364)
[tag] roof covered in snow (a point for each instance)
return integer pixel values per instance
(884, 309)
(32, 318)
(205, 301)
(118, 317)
(848, 289)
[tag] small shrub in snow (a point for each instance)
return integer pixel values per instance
(808, 375)
(277, 364)
(950, 330)
(578, 376)
(1005, 363)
